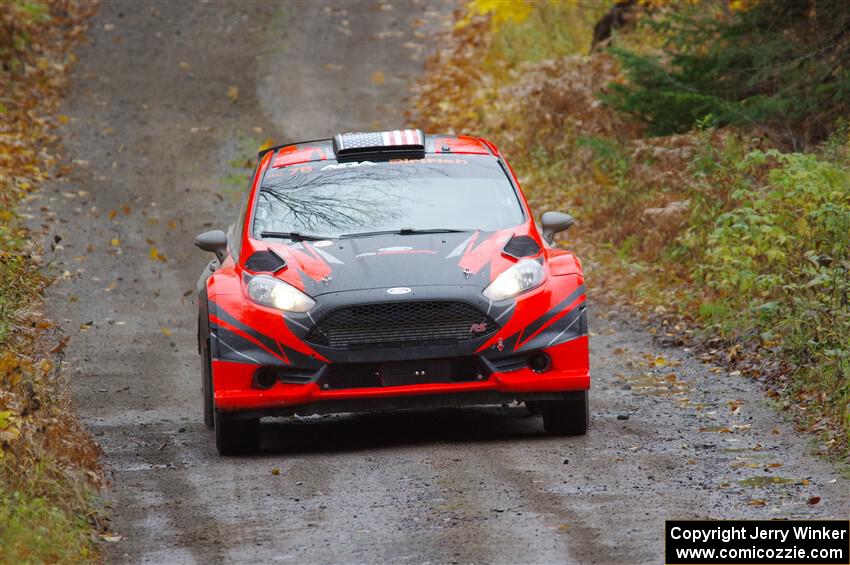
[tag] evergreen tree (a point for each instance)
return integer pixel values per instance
(783, 65)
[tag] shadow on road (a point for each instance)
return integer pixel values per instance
(371, 431)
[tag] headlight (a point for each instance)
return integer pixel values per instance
(270, 291)
(520, 278)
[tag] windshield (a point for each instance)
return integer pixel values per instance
(334, 199)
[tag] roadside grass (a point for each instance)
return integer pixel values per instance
(715, 234)
(49, 472)
(34, 531)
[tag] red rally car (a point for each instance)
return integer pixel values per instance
(388, 270)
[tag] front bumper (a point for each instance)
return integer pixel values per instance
(235, 391)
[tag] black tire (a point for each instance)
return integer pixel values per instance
(567, 417)
(236, 436)
(534, 407)
(206, 384)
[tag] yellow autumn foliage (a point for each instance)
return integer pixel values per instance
(500, 11)
(48, 462)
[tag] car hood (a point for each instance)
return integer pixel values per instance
(395, 261)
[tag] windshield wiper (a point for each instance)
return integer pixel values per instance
(294, 235)
(402, 231)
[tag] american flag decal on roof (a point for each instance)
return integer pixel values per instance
(364, 142)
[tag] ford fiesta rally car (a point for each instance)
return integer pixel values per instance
(388, 270)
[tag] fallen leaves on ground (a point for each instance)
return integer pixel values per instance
(45, 454)
(155, 255)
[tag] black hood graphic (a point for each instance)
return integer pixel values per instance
(391, 260)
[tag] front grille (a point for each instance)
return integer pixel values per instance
(398, 324)
(508, 364)
(400, 373)
(292, 375)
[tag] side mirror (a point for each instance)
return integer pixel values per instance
(555, 222)
(214, 241)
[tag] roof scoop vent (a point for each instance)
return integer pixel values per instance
(406, 141)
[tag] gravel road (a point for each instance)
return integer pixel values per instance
(167, 102)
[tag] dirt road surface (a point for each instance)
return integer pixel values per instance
(167, 102)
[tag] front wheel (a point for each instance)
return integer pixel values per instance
(567, 417)
(236, 436)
